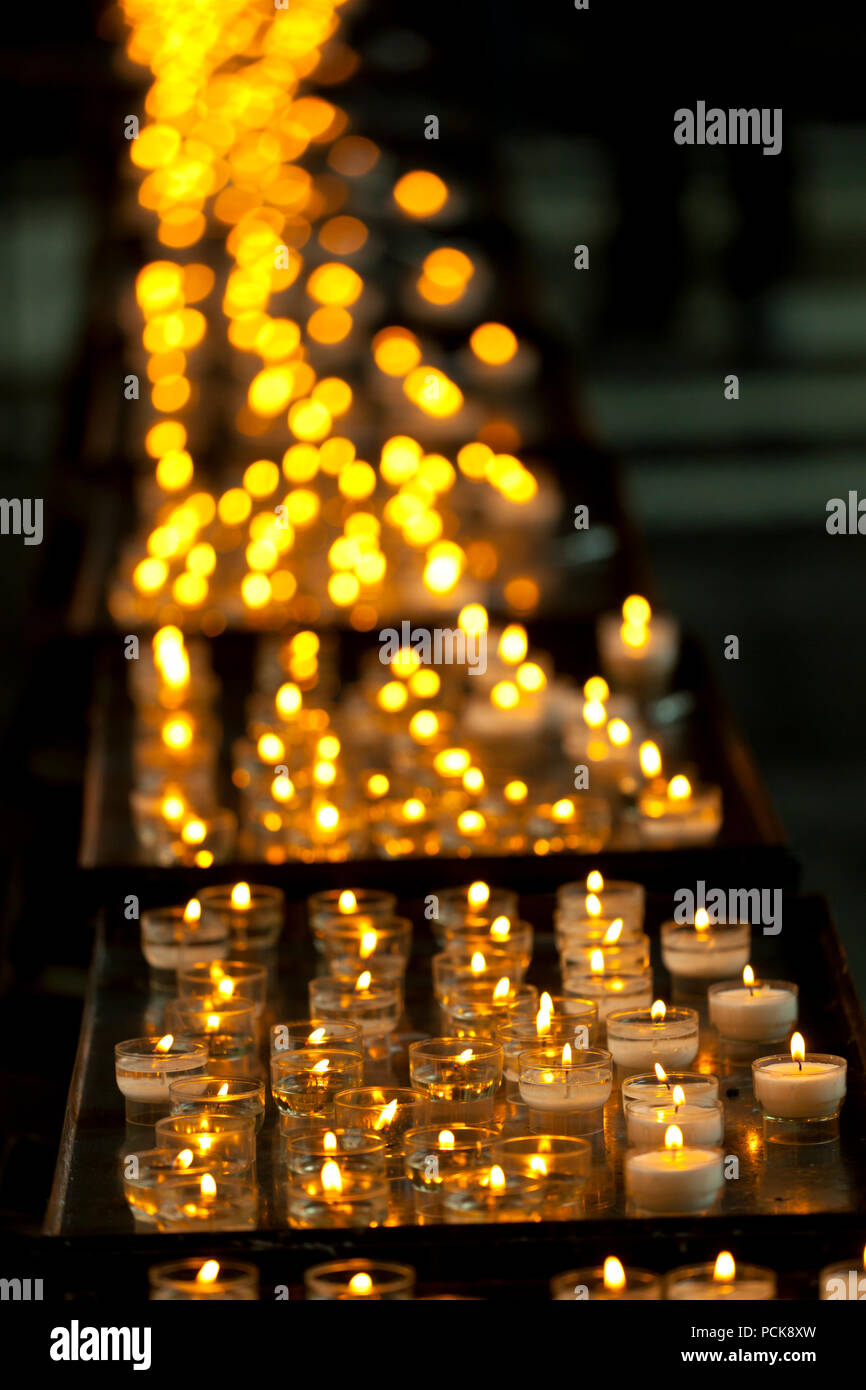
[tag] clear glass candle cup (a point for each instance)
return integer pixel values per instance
(305, 1082)
(337, 1198)
(700, 1283)
(348, 905)
(253, 912)
(376, 1008)
(384, 949)
(487, 1194)
(459, 1076)
(560, 1163)
(207, 1203)
(611, 990)
(592, 931)
(343, 1280)
(486, 934)
(386, 1111)
(648, 1089)
(674, 1182)
(456, 905)
(667, 823)
(700, 1123)
(475, 1007)
(616, 898)
(169, 943)
(227, 1139)
(696, 955)
(565, 1090)
(219, 1095)
(143, 1068)
(316, 1032)
(517, 1035)
(452, 970)
(141, 1173)
(636, 1041)
(227, 1028)
(630, 955)
(225, 979)
(194, 1280)
(432, 1153)
(354, 1150)
(764, 1012)
(800, 1100)
(582, 1285)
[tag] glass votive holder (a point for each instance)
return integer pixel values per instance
(344, 1280)
(843, 1281)
(560, 1163)
(336, 1198)
(614, 899)
(225, 979)
(716, 1283)
(765, 1011)
(620, 956)
(142, 1172)
(218, 1095)
(432, 1153)
(578, 825)
(253, 912)
(696, 955)
(611, 990)
(316, 1032)
(384, 949)
(143, 1068)
(645, 667)
(565, 1090)
(207, 1203)
(516, 1035)
(170, 941)
(648, 1088)
(474, 966)
(801, 1099)
(195, 1280)
(375, 1006)
(475, 1007)
(486, 934)
(666, 821)
(350, 905)
(608, 1282)
(487, 1194)
(305, 1082)
(354, 1150)
(701, 1125)
(386, 1111)
(595, 932)
(472, 900)
(637, 1038)
(227, 1028)
(673, 1181)
(459, 1076)
(227, 1139)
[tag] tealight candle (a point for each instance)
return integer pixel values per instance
(801, 1095)
(646, 1125)
(203, 1281)
(488, 934)
(475, 1005)
(560, 1163)
(723, 1282)
(358, 908)
(705, 951)
(459, 1075)
(387, 1111)
(610, 990)
(657, 1087)
(484, 967)
(175, 937)
(844, 1281)
(305, 1082)
(608, 899)
(455, 905)
(228, 1139)
(316, 1032)
(609, 1282)
(344, 1280)
(207, 1203)
(520, 1034)
(338, 1198)
(565, 1089)
(432, 1153)
(489, 1194)
(576, 957)
(254, 912)
(384, 949)
(639, 649)
(227, 1027)
(636, 1038)
(674, 1179)
(143, 1171)
(216, 1095)
(754, 1011)
(354, 1150)
(375, 1006)
(144, 1066)
(679, 814)
(223, 979)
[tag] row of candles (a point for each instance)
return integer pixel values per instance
(346, 1143)
(409, 762)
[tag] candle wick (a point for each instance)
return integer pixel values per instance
(799, 1064)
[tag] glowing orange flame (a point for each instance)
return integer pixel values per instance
(658, 1011)
(614, 1274)
(725, 1269)
(208, 1272)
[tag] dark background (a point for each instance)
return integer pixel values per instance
(702, 263)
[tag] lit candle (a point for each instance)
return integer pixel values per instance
(706, 951)
(611, 1281)
(637, 1038)
(722, 1282)
(143, 1068)
(489, 1194)
(565, 1088)
(804, 1091)
(673, 1179)
(679, 813)
(755, 1011)
(360, 1280)
(254, 912)
(338, 1198)
(611, 990)
(196, 1281)
(207, 1203)
(657, 1087)
(607, 899)
(459, 1075)
(639, 649)
(699, 1125)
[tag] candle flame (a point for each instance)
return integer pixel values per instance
(317, 1036)
(183, 1159)
(165, 1043)
(500, 929)
(241, 896)
(660, 1072)
(725, 1269)
(566, 1055)
(538, 1165)
(446, 1139)
(650, 759)
(205, 1143)
(478, 894)
(613, 932)
(223, 1090)
(542, 1018)
(226, 988)
(596, 962)
(594, 882)
(368, 944)
(465, 1056)
(477, 963)
(748, 975)
(207, 1185)
(386, 1115)
(679, 1095)
(593, 906)
(658, 1011)
(347, 902)
(192, 911)
(212, 1022)
(496, 1178)
(673, 1137)
(332, 1178)
(679, 788)
(208, 1272)
(502, 989)
(364, 980)
(321, 1067)
(702, 919)
(361, 1285)
(614, 1274)
(798, 1047)
(329, 1143)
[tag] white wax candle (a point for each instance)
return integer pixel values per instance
(762, 1013)
(700, 1090)
(717, 1291)
(674, 1180)
(654, 1047)
(647, 1125)
(710, 960)
(800, 1091)
(565, 1097)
